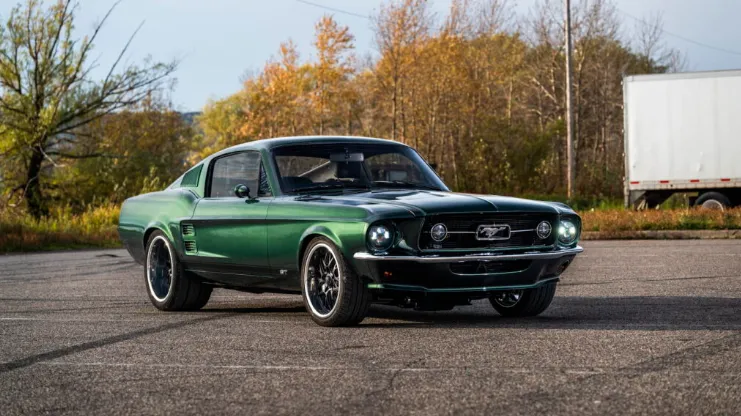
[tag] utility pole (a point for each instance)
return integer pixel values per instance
(569, 105)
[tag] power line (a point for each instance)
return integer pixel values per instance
(695, 42)
(333, 9)
(642, 21)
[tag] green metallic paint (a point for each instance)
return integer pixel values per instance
(162, 211)
(232, 230)
(264, 236)
(292, 221)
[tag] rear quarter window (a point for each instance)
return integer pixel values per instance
(190, 179)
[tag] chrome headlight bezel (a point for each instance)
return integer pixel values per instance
(544, 230)
(380, 237)
(568, 232)
(437, 230)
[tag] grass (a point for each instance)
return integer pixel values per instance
(611, 220)
(96, 227)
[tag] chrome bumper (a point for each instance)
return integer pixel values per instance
(546, 255)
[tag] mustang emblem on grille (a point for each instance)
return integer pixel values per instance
(493, 232)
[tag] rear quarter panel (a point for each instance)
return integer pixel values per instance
(162, 211)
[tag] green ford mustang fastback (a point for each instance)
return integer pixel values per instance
(345, 222)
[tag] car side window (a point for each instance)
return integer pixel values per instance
(242, 168)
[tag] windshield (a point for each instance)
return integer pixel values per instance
(341, 166)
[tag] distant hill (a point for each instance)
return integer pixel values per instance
(190, 117)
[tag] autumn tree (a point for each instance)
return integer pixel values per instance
(400, 26)
(601, 59)
(47, 91)
(479, 92)
(331, 96)
(142, 148)
(289, 97)
(277, 101)
(221, 123)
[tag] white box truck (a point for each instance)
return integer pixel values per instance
(683, 134)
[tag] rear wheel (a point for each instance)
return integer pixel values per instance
(169, 287)
(713, 200)
(333, 294)
(527, 302)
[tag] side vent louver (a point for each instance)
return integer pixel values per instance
(188, 230)
(190, 247)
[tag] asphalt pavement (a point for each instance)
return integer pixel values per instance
(636, 327)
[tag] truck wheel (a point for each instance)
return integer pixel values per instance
(333, 294)
(713, 200)
(520, 303)
(169, 287)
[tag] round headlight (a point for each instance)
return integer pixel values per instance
(567, 232)
(438, 232)
(543, 230)
(380, 237)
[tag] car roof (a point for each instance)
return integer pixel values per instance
(301, 140)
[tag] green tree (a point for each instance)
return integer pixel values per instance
(47, 92)
(221, 123)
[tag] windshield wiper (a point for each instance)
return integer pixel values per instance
(329, 186)
(405, 184)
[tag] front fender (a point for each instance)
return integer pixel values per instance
(321, 230)
(348, 237)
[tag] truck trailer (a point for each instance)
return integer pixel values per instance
(683, 135)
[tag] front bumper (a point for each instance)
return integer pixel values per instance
(541, 255)
(475, 273)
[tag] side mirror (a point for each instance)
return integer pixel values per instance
(242, 191)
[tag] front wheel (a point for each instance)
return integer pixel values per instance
(521, 303)
(333, 294)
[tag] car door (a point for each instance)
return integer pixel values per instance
(230, 230)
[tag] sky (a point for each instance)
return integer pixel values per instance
(218, 41)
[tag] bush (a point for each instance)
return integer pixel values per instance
(95, 227)
(679, 219)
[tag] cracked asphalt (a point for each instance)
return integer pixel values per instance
(637, 327)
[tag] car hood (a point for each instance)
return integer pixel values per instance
(424, 202)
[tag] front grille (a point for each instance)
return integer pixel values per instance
(485, 267)
(462, 230)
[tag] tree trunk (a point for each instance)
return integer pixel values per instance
(32, 191)
(348, 126)
(403, 113)
(393, 108)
